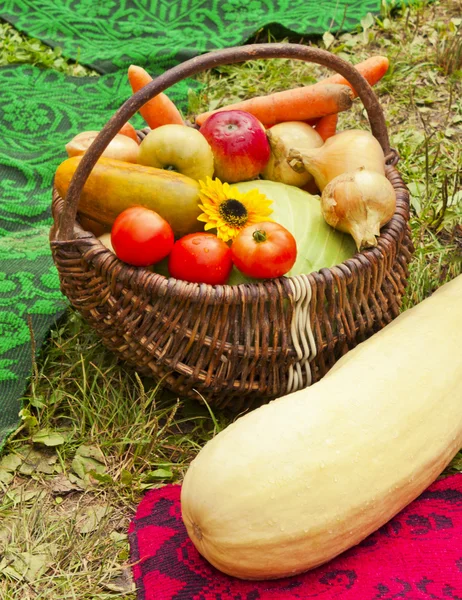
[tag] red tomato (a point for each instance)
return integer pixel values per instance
(200, 258)
(141, 237)
(264, 250)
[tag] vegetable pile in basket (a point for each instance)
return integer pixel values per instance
(259, 189)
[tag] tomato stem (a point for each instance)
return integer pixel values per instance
(260, 236)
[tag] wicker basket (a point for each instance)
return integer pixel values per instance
(238, 346)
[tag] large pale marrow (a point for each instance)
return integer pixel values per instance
(298, 481)
(115, 185)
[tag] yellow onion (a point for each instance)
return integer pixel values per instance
(342, 153)
(359, 203)
(282, 138)
(121, 147)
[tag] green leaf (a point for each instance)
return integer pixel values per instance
(158, 474)
(24, 565)
(5, 537)
(118, 537)
(37, 461)
(6, 477)
(91, 518)
(28, 419)
(386, 24)
(126, 477)
(90, 452)
(81, 483)
(37, 402)
(88, 463)
(20, 495)
(101, 477)
(47, 465)
(328, 39)
(367, 22)
(416, 195)
(48, 438)
(83, 466)
(10, 462)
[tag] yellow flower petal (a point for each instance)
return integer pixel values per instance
(213, 193)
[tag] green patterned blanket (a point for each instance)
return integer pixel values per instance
(110, 34)
(41, 110)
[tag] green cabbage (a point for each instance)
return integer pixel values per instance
(318, 244)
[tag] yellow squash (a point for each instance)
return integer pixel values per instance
(115, 185)
(296, 482)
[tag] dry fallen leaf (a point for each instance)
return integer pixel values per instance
(20, 495)
(90, 452)
(62, 485)
(24, 565)
(6, 477)
(88, 459)
(38, 461)
(91, 517)
(10, 462)
(121, 583)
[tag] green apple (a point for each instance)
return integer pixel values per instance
(177, 148)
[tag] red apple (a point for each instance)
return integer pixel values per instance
(239, 145)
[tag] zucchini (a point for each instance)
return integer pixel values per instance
(114, 185)
(294, 483)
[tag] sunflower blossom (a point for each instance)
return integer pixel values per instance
(228, 210)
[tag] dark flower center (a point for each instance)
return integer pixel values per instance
(233, 212)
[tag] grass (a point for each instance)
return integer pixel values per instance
(95, 436)
(17, 48)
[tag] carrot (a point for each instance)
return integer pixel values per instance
(312, 122)
(372, 69)
(326, 126)
(129, 131)
(158, 111)
(298, 104)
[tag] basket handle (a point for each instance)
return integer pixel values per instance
(201, 63)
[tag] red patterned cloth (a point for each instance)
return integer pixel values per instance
(416, 556)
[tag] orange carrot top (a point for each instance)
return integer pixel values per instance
(158, 111)
(327, 126)
(372, 69)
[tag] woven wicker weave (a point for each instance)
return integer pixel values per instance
(238, 346)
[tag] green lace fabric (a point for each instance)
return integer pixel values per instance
(42, 110)
(111, 34)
